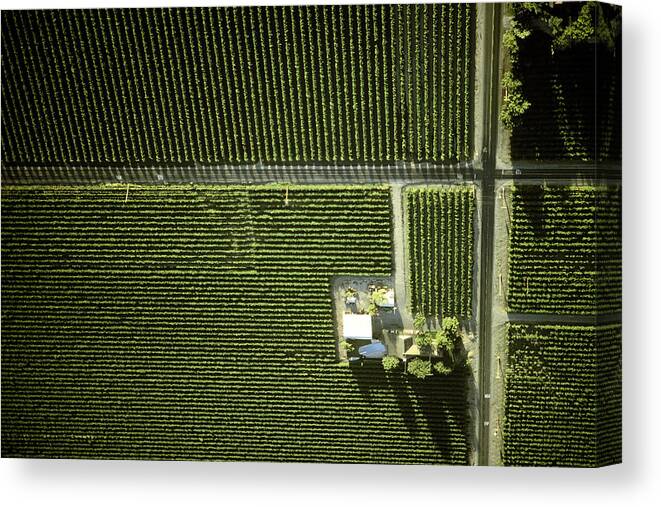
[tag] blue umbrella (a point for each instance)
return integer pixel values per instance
(373, 350)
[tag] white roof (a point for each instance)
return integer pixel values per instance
(357, 326)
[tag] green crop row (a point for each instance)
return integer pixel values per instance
(117, 345)
(357, 83)
(439, 235)
(565, 250)
(563, 396)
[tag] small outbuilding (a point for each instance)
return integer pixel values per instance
(357, 326)
(389, 300)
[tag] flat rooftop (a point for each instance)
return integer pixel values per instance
(357, 326)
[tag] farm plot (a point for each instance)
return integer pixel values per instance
(571, 75)
(565, 250)
(439, 235)
(189, 322)
(360, 83)
(563, 397)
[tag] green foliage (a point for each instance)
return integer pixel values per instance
(159, 306)
(514, 103)
(423, 340)
(378, 297)
(238, 85)
(450, 326)
(593, 22)
(577, 30)
(563, 396)
(347, 346)
(442, 369)
(563, 102)
(512, 36)
(419, 368)
(444, 341)
(390, 363)
(439, 235)
(565, 250)
(419, 322)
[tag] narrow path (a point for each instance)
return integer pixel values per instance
(241, 174)
(491, 69)
(400, 267)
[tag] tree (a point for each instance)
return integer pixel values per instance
(346, 346)
(514, 103)
(594, 22)
(450, 326)
(419, 368)
(567, 25)
(419, 322)
(423, 340)
(443, 341)
(442, 369)
(378, 297)
(390, 363)
(447, 338)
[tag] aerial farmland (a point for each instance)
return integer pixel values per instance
(346, 234)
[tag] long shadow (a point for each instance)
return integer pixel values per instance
(370, 376)
(471, 395)
(397, 380)
(442, 400)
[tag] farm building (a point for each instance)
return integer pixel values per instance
(357, 326)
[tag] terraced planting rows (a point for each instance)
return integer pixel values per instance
(565, 250)
(237, 85)
(187, 322)
(439, 236)
(563, 399)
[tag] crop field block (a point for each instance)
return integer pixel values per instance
(401, 218)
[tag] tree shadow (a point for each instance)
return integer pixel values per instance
(442, 401)
(371, 377)
(447, 402)
(397, 381)
(448, 405)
